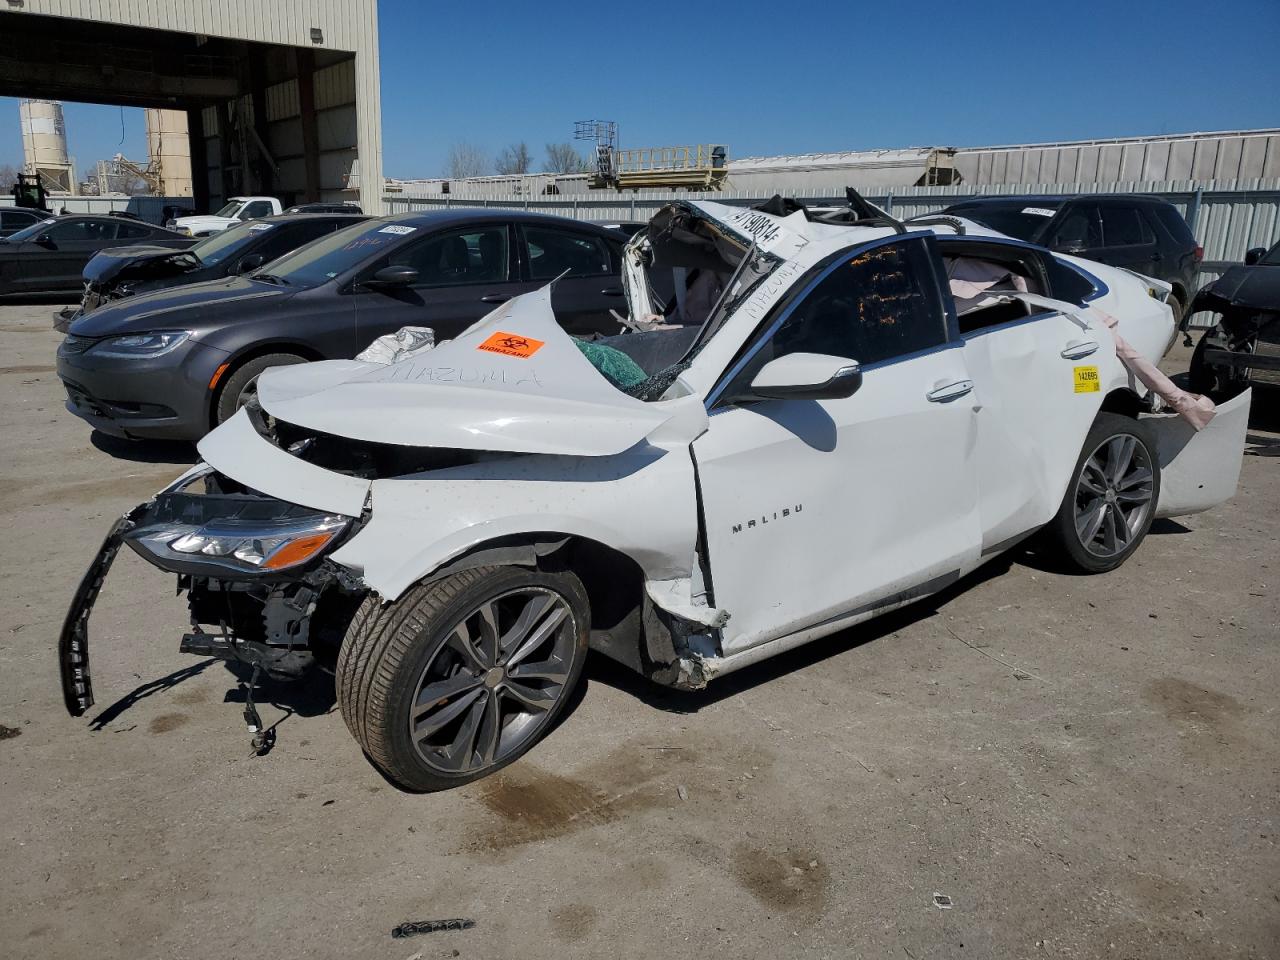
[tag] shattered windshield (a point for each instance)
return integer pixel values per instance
(714, 272)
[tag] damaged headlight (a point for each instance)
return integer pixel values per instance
(251, 547)
(141, 345)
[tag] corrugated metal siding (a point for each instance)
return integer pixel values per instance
(350, 25)
(282, 101)
(336, 85)
(266, 21)
(1230, 155)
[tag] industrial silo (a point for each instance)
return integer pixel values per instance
(169, 151)
(44, 145)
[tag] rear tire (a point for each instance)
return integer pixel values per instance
(1111, 499)
(463, 675)
(1201, 378)
(242, 383)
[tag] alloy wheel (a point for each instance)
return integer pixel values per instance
(490, 685)
(1113, 495)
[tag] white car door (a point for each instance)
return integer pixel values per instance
(1038, 386)
(816, 510)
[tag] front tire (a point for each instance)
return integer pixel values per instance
(1111, 499)
(238, 388)
(463, 675)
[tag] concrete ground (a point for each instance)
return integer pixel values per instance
(1032, 765)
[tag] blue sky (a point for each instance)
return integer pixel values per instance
(791, 77)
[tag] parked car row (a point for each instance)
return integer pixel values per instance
(172, 361)
(51, 253)
(121, 272)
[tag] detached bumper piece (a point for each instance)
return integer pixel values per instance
(252, 568)
(73, 643)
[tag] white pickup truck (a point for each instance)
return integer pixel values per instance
(236, 210)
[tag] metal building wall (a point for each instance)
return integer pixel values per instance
(345, 25)
(1230, 155)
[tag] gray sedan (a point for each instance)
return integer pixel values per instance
(174, 363)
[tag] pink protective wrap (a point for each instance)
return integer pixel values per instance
(1196, 409)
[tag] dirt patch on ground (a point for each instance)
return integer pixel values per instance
(28, 368)
(32, 493)
(782, 879)
(1184, 701)
(573, 921)
(526, 804)
(8, 733)
(167, 721)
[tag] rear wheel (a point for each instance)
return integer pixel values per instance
(463, 675)
(242, 385)
(1111, 500)
(1201, 378)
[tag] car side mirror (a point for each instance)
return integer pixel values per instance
(1070, 247)
(807, 376)
(251, 262)
(45, 240)
(1254, 256)
(394, 276)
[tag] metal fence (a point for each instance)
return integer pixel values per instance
(1227, 217)
(79, 204)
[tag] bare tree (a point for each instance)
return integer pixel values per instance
(563, 158)
(514, 159)
(8, 177)
(467, 160)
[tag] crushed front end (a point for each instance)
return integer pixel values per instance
(254, 571)
(1244, 343)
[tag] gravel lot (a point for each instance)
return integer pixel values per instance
(1086, 767)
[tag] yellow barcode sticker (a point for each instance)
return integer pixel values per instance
(1087, 380)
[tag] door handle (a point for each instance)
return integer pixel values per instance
(495, 298)
(1077, 349)
(949, 391)
(611, 292)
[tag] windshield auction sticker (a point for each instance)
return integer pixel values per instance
(399, 231)
(1039, 211)
(511, 345)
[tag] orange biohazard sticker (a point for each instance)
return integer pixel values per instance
(511, 345)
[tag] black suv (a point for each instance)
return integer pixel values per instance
(1144, 234)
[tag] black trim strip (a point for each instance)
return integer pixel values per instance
(73, 642)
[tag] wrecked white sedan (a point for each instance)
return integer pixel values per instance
(865, 412)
